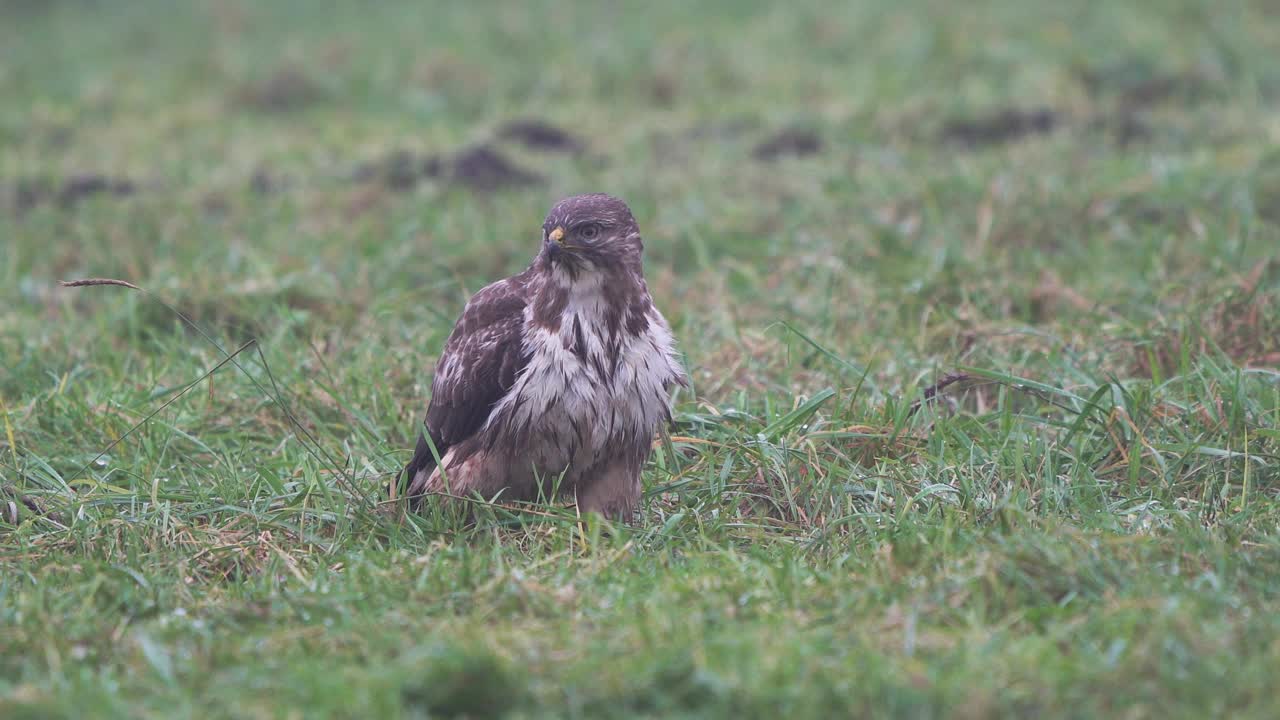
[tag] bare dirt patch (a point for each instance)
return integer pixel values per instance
(484, 168)
(287, 89)
(399, 170)
(481, 168)
(1003, 126)
(265, 182)
(540, 135)
(30, 193)
(796, 142)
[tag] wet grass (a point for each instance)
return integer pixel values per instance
(1076, 210)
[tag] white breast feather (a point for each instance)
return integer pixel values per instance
(556, 386)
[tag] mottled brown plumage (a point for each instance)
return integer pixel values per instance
(555, 378)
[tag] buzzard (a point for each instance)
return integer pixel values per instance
(554, 378)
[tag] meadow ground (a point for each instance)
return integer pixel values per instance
(1076, 206)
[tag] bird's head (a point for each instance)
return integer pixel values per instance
(591, 233)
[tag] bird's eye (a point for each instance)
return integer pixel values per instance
(589, 232)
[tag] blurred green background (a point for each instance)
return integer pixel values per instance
(1075, 204)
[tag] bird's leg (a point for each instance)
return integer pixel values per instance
(613, 491)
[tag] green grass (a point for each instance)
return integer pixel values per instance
(1085, 527)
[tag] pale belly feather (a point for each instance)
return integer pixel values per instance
(581, 409)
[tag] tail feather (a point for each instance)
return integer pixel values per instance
(420, 466)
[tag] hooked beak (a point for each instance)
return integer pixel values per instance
(555, 243)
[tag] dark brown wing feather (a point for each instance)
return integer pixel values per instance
(480, 363)
(481, 359)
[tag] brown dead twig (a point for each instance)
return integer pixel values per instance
(89, 282)
(931, 392)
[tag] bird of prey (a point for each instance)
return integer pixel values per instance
(556, 377)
